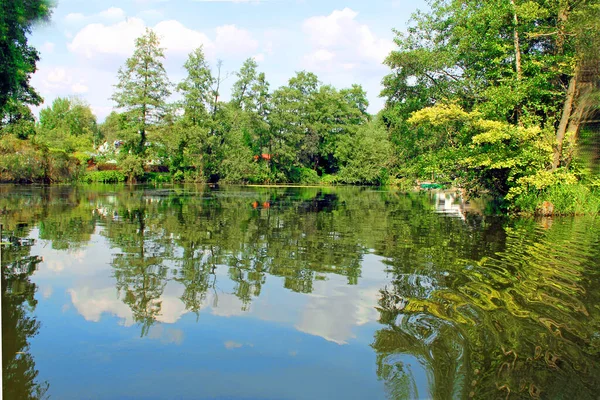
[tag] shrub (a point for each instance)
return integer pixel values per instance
(304, 175)
(103, 177)
(23, 162)
(133, 167)
(327, 179)
(566, 199)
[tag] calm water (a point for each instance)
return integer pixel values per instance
(240, 293)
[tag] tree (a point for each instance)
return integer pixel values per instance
(511, 68)
(196, 88)
(114, 127)
(251, 97)
(143, 86)
(18, 59)
(243, 94)
(68, 124)
(364, 156)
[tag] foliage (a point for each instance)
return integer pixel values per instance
(492, 95)
(103, 177)
(143, 86)
(364, 157)
(17, 58)
(69, 125)
(23, 162)
(133, 167)
(566, 198)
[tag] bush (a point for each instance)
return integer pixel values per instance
(565, 199)
(133, 167)
(304, 175)
(103, 177)
(23, 162)
(178, 176)
(327, 179)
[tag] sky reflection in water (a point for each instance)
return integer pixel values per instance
(296, 294)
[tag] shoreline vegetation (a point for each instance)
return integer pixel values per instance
(490, 97)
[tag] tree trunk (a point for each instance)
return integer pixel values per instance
(578, 105)
(564, 120)
(584, 105)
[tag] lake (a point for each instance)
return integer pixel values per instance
(117, 292)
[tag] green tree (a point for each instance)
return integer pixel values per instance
(115, 126)
(364, 157)
(69, 124)
(143, 86)
(196, 88)
(525, 65)
(17, 58)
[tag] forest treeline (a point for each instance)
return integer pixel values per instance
(490, 96)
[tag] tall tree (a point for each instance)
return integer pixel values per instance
(196, 88)
(243, 93)
(143, 85)
(17, 58)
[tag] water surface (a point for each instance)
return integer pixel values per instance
(113, 292)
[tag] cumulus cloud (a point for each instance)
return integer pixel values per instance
(62, 81)
(97, 40)
(57, 75)
(178, 39)
(92, 303)
(166, 335)
(338, 40)
(113, 13)
(233, 40)
(79, 88)
(109, 15)
(74, 18)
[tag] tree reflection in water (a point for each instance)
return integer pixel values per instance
(19, 373)
(488, 307)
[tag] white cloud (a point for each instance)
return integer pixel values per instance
(333, 311)
(178, 39)
(316, 58)
(92, 302)
(109, 15)
(75, 18)
(166, 335)
(113, 13)
(260, 57)
(61, 81)
(47, 292)
(151, 14)
(339, 40)
(79, 88)
(97, 40)
(233, 40)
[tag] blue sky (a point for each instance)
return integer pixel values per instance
(343, 42)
